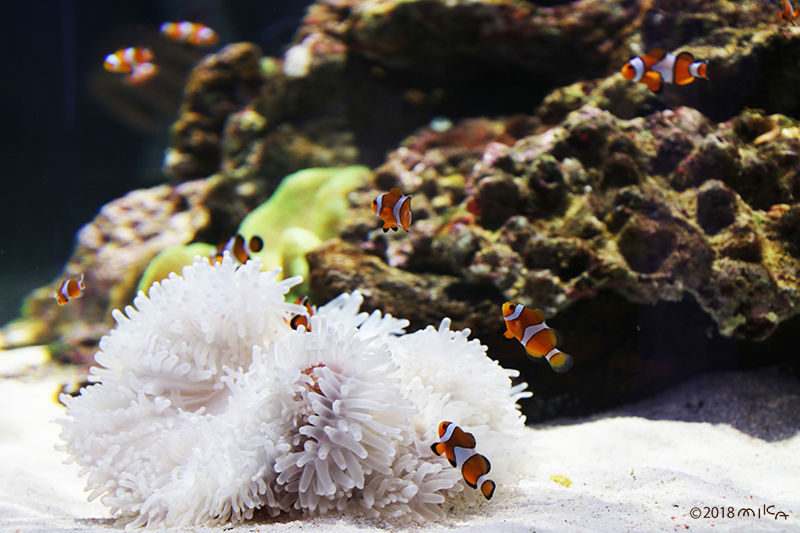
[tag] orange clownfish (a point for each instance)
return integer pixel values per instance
(458, 447)
(788, 13)
(394, 208)
(303, 319)
(239, 249)
(124, 60)
(529, 328)
(190, 33)
(658, 67)
(71, 288)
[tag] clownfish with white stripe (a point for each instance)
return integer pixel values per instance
(71, 288)
(658, 67)
(529, 328)
(191, 33)
(133, 61)
(239, 249)
(303, 319)
(788, 13)
(125, 59)
(394, 208)
(458, 447)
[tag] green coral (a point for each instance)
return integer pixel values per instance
(171, 259)
(306, 209)
(294, 244)
(314, 200)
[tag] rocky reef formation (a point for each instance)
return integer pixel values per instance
(659, 232)
(410, 61)
(112, 252)
(219, 85)
(599, 213)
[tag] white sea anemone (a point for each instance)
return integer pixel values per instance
(164, 437)
(209, 406)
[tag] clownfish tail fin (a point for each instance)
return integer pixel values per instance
(559, 361)
(699, 69)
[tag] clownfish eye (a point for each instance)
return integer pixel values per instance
(256, 244)
(512, 306)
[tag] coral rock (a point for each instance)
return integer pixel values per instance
(112, 252)
(221, 84)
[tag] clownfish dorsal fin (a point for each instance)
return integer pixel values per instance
(395, 192)
(654, 56)
(537, 315)
(463, 439)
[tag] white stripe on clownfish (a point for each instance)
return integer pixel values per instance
(397, 206)
(638, 64)
(448, 433)
(666, 67)
(462, 454)
(515, 314)
(551, 353)
(530, 331)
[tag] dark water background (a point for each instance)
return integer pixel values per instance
(63, 152)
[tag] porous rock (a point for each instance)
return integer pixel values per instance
(606, 220)
(112, 252)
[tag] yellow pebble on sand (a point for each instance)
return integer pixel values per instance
(561, 480)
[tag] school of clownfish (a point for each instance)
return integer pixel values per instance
(136, 62)
(526, 325)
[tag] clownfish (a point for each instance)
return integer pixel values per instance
(658, 67)
(529, 328)
(458, 447)
(303, 319)
(190, 33)
(142, 73)
(788, 13)
(394, 208)
(125, 60)
(239, 249)
(71, 288)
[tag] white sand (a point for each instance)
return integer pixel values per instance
(628, 473)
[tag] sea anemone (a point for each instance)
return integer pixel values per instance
(208, 406)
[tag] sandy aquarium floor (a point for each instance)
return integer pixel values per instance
(719, 453)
